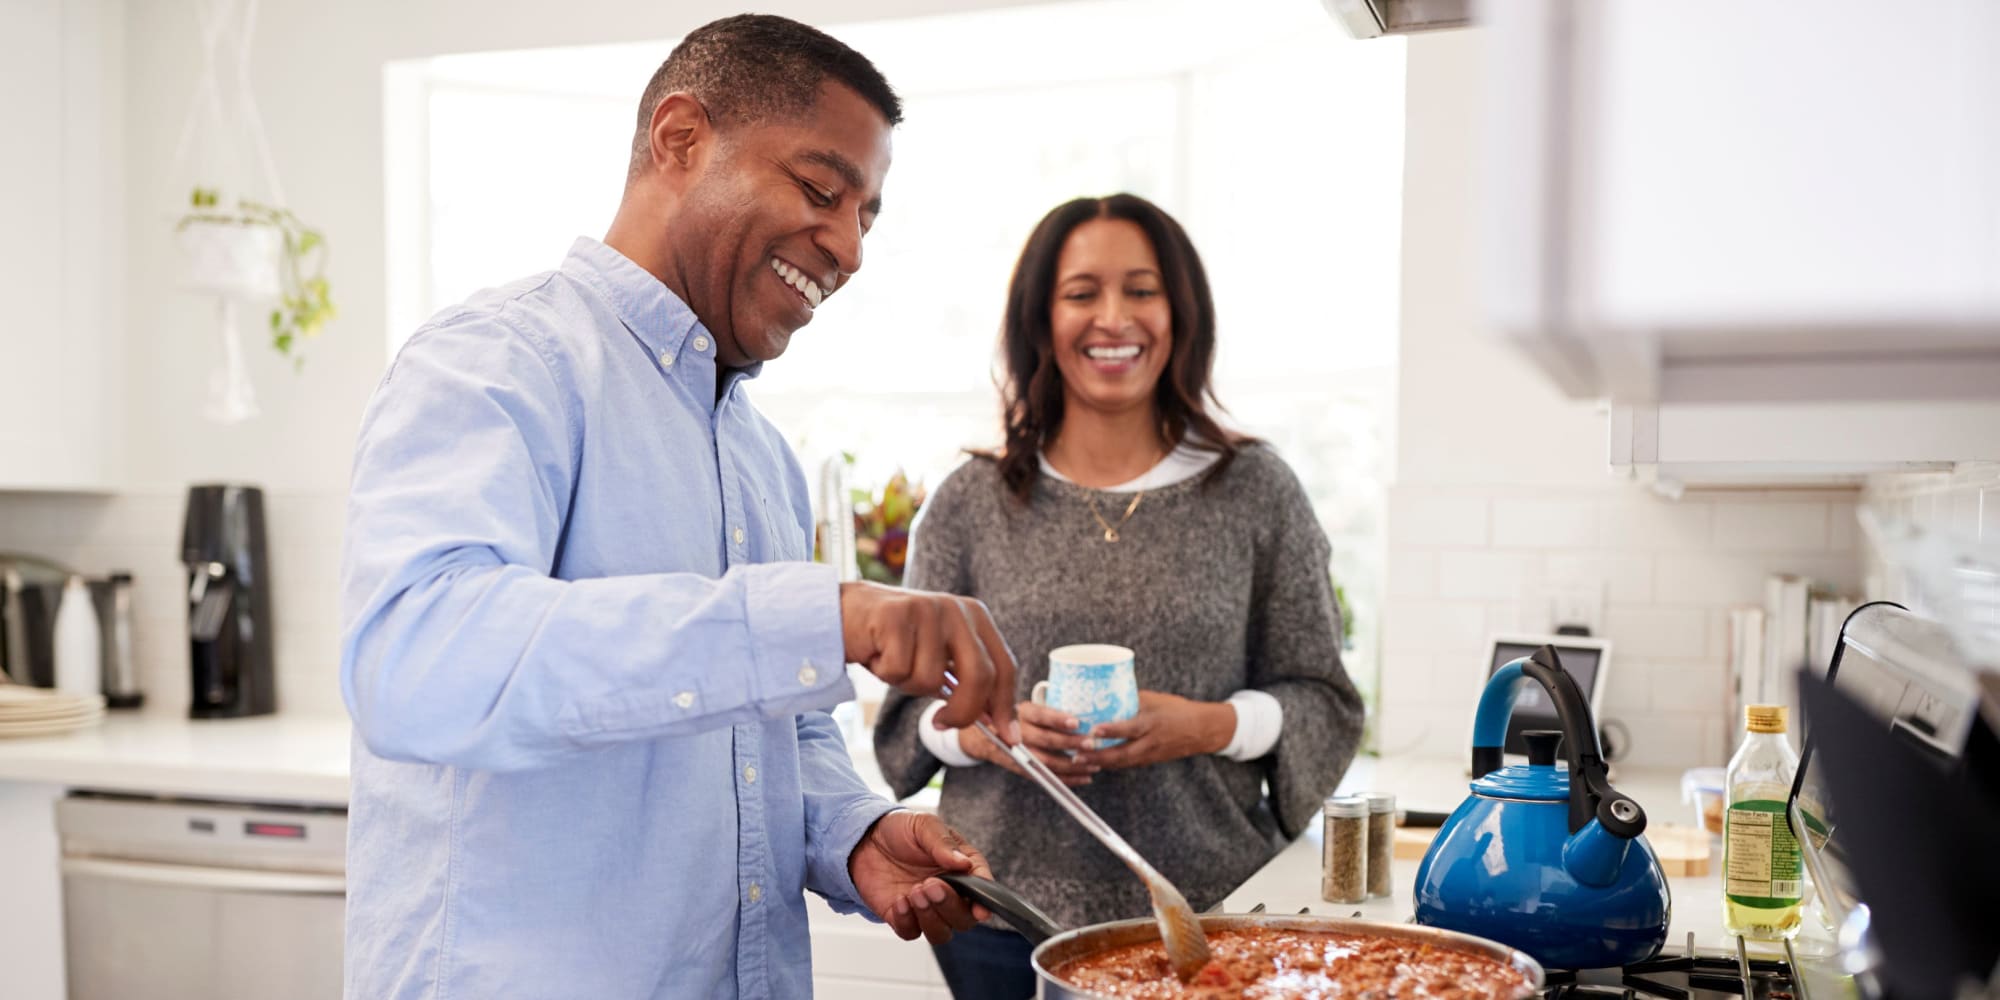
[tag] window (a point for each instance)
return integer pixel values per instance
(1276, 141)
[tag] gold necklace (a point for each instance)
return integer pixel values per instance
(1111, 530)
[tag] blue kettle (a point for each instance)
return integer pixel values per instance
(1548, 860)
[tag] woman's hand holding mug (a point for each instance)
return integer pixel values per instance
(1167, 727)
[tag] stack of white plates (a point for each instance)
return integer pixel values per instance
(27, 711)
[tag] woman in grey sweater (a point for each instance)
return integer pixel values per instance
(1119, 511)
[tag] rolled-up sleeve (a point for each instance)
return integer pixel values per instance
(459, 647)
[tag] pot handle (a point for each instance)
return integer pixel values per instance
(1022, 915)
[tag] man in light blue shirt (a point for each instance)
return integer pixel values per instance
(586, 655)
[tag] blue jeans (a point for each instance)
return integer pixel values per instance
(987, 964)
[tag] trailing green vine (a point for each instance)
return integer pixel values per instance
(305, 304)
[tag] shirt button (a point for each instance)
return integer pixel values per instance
(685, 699)
(807, 675)
(756, 892)
(701, 343)
(738, 536)
(750, 774)
(666, 360)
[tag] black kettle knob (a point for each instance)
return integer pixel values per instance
(1542, 745)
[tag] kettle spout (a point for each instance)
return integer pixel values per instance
(1593, 855)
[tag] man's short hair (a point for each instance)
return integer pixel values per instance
(752, 68)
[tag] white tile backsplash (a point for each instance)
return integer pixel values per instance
(1411, 573)
(1632, 520)
(1652, 632)
(1770, 527)
(1627, 576)
(1708, 577)
(1544, 524)
(1482, 574)
(1964, 502)
(1670, 571)
(140, 533)
(1421, 519)
(1691, 686)
(1434, 627)
(1963, 505)
(1842, 529)
(1670, 741)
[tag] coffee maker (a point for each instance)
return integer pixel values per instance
(229, 602)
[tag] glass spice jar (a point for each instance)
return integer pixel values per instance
(1381, 842)
(1344, 867)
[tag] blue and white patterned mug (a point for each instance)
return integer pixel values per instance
(1093, 682)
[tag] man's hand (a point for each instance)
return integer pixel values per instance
(1046, 732)
(1168, 727)
(895, 867)
(909, 639)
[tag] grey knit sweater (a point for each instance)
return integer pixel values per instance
(1217, 585)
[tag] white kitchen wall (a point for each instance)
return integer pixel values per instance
(1502, 499)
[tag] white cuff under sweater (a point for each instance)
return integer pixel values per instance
(1259, 720)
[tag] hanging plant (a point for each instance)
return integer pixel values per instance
(259, 251)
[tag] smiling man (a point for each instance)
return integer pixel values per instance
(585, 651)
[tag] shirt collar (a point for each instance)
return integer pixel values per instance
(643, 302)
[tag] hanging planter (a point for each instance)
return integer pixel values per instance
(256, 253)
(229, 258)
(251, 256)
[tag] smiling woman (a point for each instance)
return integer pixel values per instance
(1245, 718)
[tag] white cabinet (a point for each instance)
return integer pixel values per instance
(1710, 203)
(857, 959)
(61, 243)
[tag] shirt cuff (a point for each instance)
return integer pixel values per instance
(943, 743)
(792, 615)
(827, 871)
(1260, 718)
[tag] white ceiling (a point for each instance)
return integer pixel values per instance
(1046, 44)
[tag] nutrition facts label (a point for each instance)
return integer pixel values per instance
(1760, 855)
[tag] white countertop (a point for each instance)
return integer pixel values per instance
(279, 758)
(1291, 881)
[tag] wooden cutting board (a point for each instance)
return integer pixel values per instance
(1683, 850)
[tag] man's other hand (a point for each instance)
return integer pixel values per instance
(895, 868)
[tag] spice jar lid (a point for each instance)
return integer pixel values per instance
(1381, 802)
(1346, 806)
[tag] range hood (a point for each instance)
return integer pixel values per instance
(1375, 18)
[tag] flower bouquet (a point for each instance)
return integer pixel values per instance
(882, 528)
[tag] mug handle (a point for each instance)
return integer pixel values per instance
(1040, 694)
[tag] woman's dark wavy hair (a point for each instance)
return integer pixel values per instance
(1031, 393)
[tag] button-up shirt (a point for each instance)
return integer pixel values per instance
(588, 663)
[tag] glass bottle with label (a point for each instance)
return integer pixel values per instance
(1763, 879)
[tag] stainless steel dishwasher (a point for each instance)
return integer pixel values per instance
(170, 899)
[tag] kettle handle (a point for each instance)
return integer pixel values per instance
(1591, 795)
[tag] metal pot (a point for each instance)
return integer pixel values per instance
(1054, 946)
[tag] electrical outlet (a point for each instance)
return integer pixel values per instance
(1577, 604)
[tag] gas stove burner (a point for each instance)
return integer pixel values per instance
(1679, 977)
(1686, 976)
